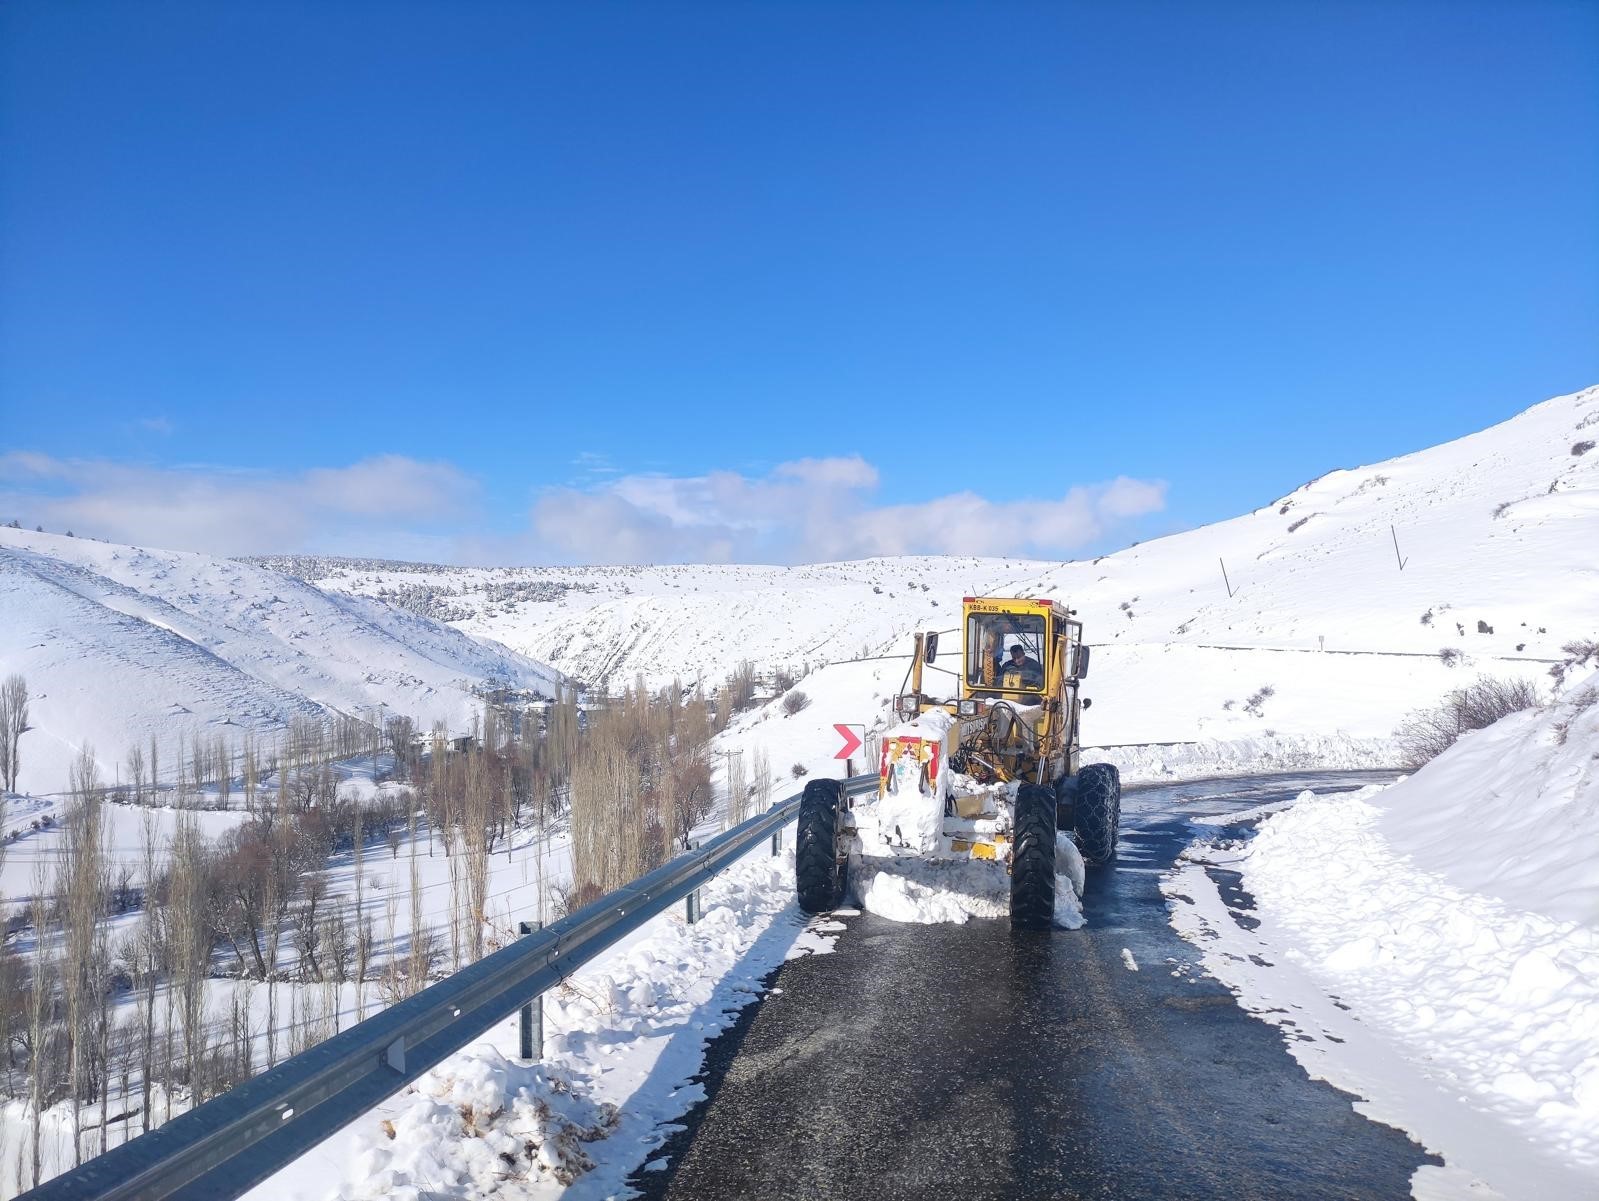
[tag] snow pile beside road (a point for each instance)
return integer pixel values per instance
(479, 1119)
(1246, 756)
(1455, 917)
(1512, 811)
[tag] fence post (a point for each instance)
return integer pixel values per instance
(532, 1019)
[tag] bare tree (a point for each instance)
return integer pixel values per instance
(82, 873)
(763, 781)
(421, 947)
(5, 742)
(149, 956)
(363, 957)
(476, 817)
(40, 995)
(738, 791)
(401, 731)
(189, 942)
(307, 927)
(13, 724)
(136, 773)
(222, 765)
(250, 769)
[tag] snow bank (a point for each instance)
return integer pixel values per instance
(1509, 810)
(478, 1120)
(1453, 916)
(1262, 755)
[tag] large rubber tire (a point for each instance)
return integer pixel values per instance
(1098, 812)
(818, 870)
(1032, 864)
(1066, 804)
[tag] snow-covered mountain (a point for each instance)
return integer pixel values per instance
(1496, 531)
(117, 643)
(606, 625)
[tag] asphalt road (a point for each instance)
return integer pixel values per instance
(966, 1062)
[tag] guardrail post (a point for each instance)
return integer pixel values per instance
(692, 903)
(777, 842)
(532, 1017)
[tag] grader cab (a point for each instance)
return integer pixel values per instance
(991, 772)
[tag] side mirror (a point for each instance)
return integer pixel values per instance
(1080, 661)
(1088, 702)
(930, 648)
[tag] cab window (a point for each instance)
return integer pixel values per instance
(990, 662)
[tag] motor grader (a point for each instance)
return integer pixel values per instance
(992, 773)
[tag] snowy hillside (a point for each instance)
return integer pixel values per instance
(604, 625)
(1495, 531)
(117, 643)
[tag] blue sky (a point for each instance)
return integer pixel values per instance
(600, 281)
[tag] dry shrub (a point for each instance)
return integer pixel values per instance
(1428, 733)
(795, 702)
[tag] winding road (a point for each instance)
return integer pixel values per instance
(969, 1062)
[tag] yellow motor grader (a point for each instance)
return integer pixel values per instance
(991, 773)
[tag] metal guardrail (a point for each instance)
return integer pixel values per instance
(233, 1142)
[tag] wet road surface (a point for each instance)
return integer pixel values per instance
(968, 1062)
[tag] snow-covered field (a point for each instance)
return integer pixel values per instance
(1438, 939)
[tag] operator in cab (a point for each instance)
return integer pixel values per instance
(1020, 663)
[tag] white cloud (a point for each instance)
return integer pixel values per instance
(808, 510)
(819, 509)
(379, 500)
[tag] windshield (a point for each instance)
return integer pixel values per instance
(1005, 652)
